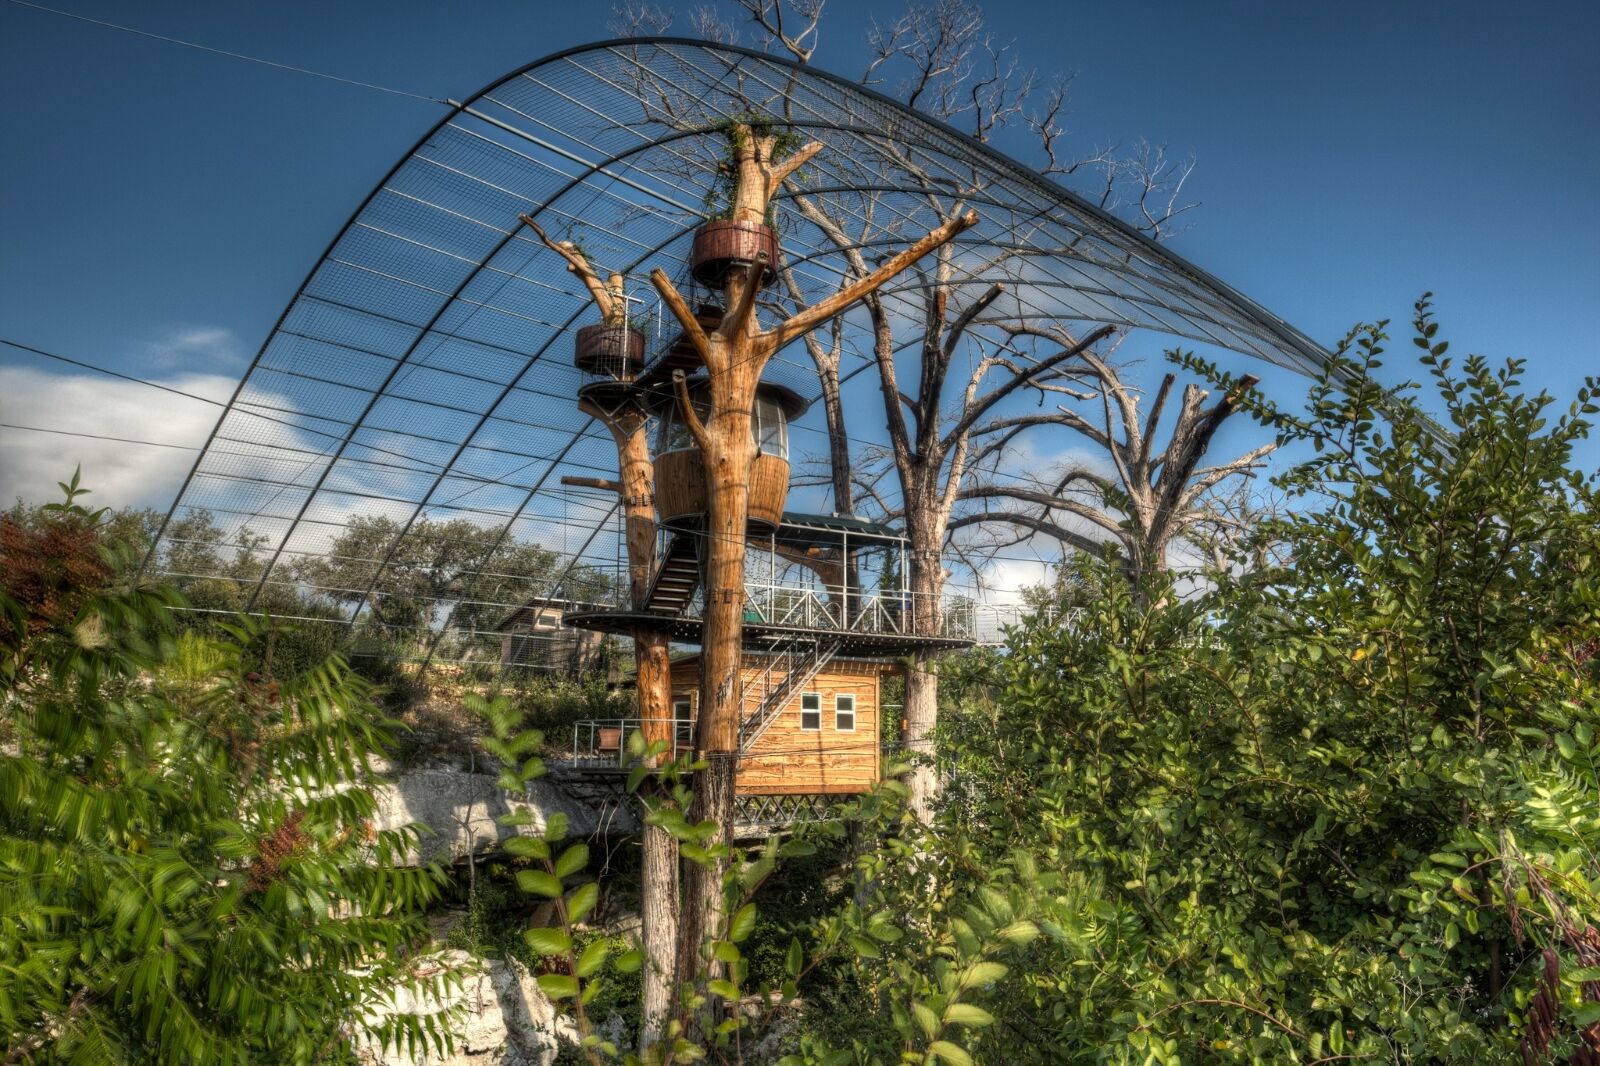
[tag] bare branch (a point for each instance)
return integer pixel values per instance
(691, 417)
(837, 302)
(607, 295)
(680, 310)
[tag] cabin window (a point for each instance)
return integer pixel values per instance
(683, 724)
(810, 712)
(844, 714)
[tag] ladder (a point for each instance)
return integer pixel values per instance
(677, 576)
(786, 673)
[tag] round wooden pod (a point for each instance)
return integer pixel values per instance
(720, 247)
(681, 488)
(609, 351)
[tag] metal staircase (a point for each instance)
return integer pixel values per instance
(786, 673)
(676, 578)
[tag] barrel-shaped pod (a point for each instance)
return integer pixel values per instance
(609, 351)
(680, 472)
(726, 245)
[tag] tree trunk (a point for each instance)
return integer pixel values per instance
(838, 438)
(659, 901)
(658, 916)
(921, 711)
(728, 461)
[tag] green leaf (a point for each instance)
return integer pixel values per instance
(539, 882)
(864, 947)
(630, 961)
(795, 961)
(548, 941)
(982, 973)
(723, 989)
(593, 957)
(743, 924)
(558, 985)
(572, 860)
(582, 902)
(948, 1052)
(928, 1020)
(967, 1014)
(725, 951)
(527, 848)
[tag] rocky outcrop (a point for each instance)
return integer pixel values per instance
(459, 811)
(502, 1019)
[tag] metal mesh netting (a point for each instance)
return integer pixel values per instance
(392, 460)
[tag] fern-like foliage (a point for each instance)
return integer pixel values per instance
(187, 867)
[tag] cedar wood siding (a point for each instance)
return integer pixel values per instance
(786, 760)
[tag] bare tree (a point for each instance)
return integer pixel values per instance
(938, 58)
(629, 424)
(1152, 497)
(735, 354)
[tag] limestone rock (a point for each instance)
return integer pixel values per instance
(503, 1019)
(459, 811)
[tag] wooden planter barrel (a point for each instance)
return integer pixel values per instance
(681, 488)
(728, 245)
(609, 351)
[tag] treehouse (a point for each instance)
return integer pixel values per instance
(826, 617)
(824, 610)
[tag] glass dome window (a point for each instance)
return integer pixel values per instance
(675, 435)
(768, 424)
(771, 428)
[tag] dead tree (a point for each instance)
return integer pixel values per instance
(735, 354)
(629, 422)
(1150, 498)
(937, 58)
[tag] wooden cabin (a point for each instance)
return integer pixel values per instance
(825, 740)
(534, 637)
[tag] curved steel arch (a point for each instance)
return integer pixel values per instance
(389, 317)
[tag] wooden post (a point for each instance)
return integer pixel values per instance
(735, 355)
(629, 425)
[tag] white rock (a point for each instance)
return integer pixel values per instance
(459, 811)
(504, 1019)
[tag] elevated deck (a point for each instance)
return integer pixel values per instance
(761, 635)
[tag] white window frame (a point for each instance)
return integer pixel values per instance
(839, 700)
(805, 711)
(682, 712)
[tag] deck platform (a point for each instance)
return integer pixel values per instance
(759, 636)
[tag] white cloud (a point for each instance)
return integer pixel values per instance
(118, 474)
(192, 348)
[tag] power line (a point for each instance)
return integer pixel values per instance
(231, 55)
(105, 370)
(100, 436)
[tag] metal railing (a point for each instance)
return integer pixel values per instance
(836, 608)
(602, 743)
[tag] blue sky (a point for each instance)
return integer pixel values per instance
(160, 205)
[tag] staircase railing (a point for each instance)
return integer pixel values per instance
(785, 673)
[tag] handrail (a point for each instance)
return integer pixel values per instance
(603, 742)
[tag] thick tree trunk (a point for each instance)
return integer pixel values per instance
(925, 580)
(728, 463)
(658, 915)
(660, 900)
